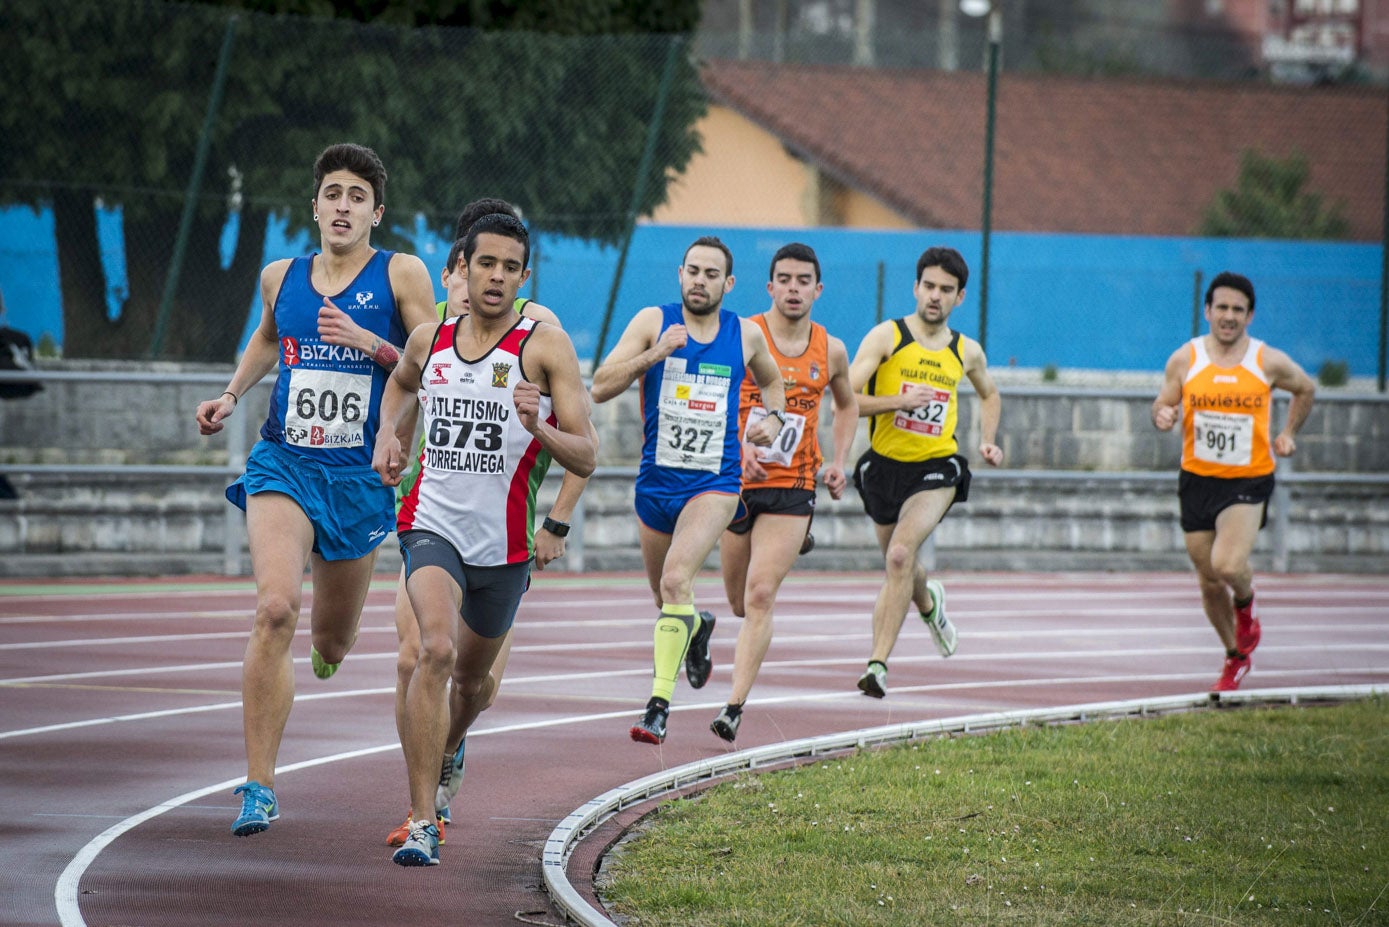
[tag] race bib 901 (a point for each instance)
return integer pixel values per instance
(1223, 438)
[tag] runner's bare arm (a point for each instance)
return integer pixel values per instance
(641, 347)
(1284, 373)
(570, 444)
(768, 379)
(872, 351)
(1167, 408)
(845, 421)
(990, 403)
(398, 402)
(261, 356)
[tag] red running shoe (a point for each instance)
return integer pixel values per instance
(1231, 676)
(1247, 629)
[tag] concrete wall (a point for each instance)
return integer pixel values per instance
(1088, 484)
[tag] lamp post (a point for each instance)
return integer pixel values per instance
(994, 11)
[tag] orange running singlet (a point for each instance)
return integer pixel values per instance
(1226, 413)
(794, 458)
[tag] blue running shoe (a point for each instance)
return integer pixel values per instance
(450, 781)
(321, 668)
(421, 848)
(258, 809)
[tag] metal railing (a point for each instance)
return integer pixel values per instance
(238, 443)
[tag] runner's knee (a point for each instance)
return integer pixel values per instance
(436, 654)
(761, 596)
(900, 559)
(276, 616)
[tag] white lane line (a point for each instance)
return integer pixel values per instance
(65, 892)
(1369, 591)
(1292, 615)
(162, 639)
(1073, 656)
(1319, 632)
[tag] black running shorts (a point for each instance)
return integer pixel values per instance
(766, 501)
(491, 594)
(1205, 497)
(885, 484)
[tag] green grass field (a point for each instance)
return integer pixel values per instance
(1248, 816)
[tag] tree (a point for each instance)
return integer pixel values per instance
(1268, 201)
(98, 111)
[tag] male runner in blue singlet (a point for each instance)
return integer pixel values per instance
(309, 492)
(690, 357)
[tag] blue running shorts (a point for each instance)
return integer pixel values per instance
(660, 512)
(350, 509)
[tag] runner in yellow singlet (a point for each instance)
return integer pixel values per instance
(1220, 386)
(909, 371)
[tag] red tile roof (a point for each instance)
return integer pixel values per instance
(1128, 157)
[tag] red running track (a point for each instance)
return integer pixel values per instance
(120, 738)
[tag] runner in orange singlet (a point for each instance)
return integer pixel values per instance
(778, 495)
(1221, 388)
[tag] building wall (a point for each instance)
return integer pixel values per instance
(746, 177)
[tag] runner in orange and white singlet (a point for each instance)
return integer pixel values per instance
(772, 524)
(1220, 386)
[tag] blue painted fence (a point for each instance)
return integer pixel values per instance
(1075, 301)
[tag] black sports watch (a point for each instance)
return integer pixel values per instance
(780, 416)
(558, 528)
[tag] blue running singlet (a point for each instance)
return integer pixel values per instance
(690, 414)
(326, 404)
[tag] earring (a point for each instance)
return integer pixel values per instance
(315, 217)
(377, 222)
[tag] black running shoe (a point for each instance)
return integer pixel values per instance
(651, 729)
(726, 725)
(698, 664)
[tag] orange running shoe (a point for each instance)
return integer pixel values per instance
(401, 834)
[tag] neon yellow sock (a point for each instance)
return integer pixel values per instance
(673, 631)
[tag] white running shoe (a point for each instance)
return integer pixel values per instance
(941, 628)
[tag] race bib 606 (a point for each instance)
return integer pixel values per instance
(327, 408)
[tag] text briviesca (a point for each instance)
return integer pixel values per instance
(1202, 401)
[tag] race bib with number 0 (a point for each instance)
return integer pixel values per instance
(783, 448)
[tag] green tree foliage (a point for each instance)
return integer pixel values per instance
(105, 101)
(1269, 201)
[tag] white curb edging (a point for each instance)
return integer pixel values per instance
(580, 822)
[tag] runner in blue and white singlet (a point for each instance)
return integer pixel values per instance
(690, 414)
(690, 358)
(330, 325)
(326, 401)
